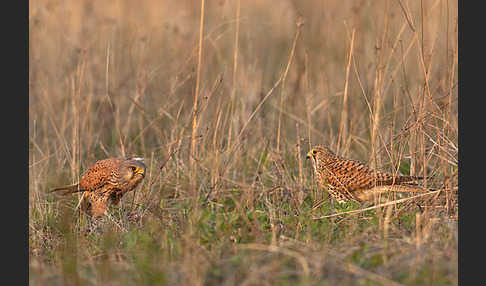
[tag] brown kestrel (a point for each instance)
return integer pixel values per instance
(106, 182)
(349, 180)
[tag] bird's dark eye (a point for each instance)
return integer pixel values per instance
(133, 168)
(314, 152)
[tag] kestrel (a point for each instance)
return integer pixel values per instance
(350, 180)
(106, 182)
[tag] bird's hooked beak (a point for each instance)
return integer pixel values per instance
(309, 155)
(140, 171)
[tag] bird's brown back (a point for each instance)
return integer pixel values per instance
(354, 175)
(99, 174)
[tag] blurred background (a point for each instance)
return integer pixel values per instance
(375, 80)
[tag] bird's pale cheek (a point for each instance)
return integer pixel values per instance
(128, 176)
(314, 165)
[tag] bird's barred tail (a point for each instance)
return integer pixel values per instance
(387, 179)
(383, 190)
(403, 179)
(71, 189)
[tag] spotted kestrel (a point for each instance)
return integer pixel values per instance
(350, 180)
(106, 182)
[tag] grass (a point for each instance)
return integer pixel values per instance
(229, 198)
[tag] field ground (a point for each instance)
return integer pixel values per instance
(229, 198)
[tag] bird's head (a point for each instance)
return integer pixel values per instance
(133, 169)
(320, 155)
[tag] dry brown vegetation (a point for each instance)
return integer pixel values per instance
(228, 198)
